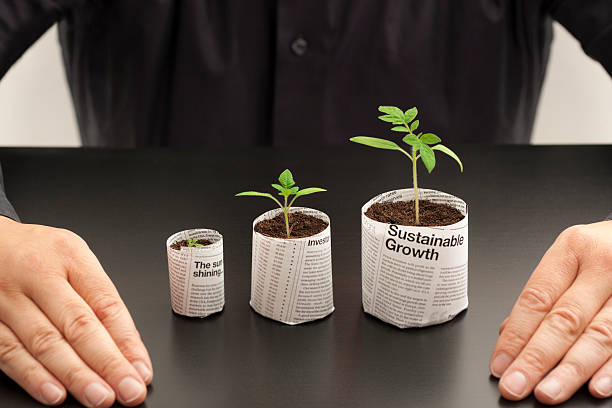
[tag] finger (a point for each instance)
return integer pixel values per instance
(89, 338)
(601, 383)
(586, 356)
(89, 280)
(557, 333)
(551, 278)
(19, 365)
(45, 343)
(502, 326)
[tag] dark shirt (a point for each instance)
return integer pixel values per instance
(301, 73)
(6, 208)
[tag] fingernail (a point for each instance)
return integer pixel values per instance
(51, 393)
(551, 388)
(130, 389)
(500, 363)
(515, 383)
(96, 394)
(603, 386)
(143, 370)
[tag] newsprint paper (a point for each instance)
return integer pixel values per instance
(196, 274)
(414, 276)
(291, 279)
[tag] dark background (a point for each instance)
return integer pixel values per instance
(126, 203)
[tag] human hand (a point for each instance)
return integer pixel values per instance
(559, 333)
(63, 325)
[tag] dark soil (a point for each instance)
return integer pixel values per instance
(300, 226)
(185, 243)
(402, 213)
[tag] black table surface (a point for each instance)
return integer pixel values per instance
(125, 203)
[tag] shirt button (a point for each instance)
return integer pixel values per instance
(299, 46)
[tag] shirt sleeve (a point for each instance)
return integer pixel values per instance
(590, 22)
(6, 209)
(23, 21)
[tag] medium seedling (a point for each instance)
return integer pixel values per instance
(422, 145)
(193, 242)
(286, 188)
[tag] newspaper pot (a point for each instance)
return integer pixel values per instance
(414, 276)
(291, 279)
(196, 274)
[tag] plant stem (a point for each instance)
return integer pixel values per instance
(286, 210)
(416, 187)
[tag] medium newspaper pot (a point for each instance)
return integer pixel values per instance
(414, 276)
(291, 279)
(196, 274)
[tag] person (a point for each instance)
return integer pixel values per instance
(286, 73)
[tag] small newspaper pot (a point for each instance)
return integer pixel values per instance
(196, 274)
(414, 276)
(291, 279)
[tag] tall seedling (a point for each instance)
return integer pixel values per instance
(422, 146)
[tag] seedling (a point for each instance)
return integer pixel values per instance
(286, 188)
(193, 242)
(422, 145)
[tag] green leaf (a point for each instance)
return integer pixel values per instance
(449, 152)
(412, 140)
(286, 179)
(255, 194)
(387, 118)
(375, 142)
(258, 194)
(410, 114)
(391, 110)
(414, 125)
(306, 191)
(193, 242)
(400, 129)
(278, 187)
(430, 138)
(392, 119)
(286, 192)
(309, 190)
(393, 114)
(428, 156)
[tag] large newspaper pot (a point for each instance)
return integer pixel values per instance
(414, 276)
(291, 279)
(196, 274)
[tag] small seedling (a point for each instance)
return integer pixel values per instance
(422, 145)
(286, 188)
(193, 242)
